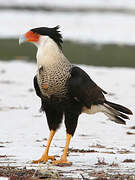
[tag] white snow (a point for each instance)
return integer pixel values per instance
(86, 27)
(21, 124)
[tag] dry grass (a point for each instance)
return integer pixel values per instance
(101, 162)
(129, 161)
(82, 150)
(130, 133)
(15, 173)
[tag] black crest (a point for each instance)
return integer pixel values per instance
(53, 33)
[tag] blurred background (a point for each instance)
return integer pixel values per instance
(95, 32)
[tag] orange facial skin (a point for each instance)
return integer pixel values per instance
(32, 37)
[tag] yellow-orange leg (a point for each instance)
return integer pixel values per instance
(45, 156)
(63, 160)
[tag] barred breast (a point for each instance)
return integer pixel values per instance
(52, 78)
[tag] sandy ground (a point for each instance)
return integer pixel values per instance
(98, 146)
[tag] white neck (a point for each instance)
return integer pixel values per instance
(48, 52)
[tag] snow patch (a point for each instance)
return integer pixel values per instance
(85, 27)
(24, 131)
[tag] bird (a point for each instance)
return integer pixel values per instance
(65, 90)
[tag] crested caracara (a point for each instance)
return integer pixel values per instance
(65, 89)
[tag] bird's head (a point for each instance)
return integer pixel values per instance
(35, 35)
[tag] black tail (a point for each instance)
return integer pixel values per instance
(119, 107)
(115, 112)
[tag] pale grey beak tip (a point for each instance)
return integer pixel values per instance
(22, 39)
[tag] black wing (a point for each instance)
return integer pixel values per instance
(36, 86)
(82, 88)
(38, 92)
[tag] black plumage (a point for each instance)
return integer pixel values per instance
(56, 107)
(81, 86)
(82, 92)
(53, 33)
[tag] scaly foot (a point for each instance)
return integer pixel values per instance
(62, 163)
(44, 159)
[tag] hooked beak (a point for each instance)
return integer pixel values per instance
(22, 39)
